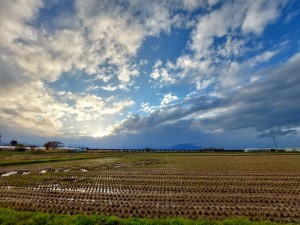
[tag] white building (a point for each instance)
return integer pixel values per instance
(272, 149)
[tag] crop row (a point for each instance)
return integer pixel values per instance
(155, 209)
(106, 194)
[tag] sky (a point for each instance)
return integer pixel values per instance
(136, 74)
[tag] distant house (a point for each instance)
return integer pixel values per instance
(74, 149)
(7, 148)
(296, 149)
(272, 150)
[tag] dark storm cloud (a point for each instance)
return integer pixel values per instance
(277, 132)
(169, 116)
(270, 102)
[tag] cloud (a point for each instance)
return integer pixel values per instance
(191, 5)
(101, 41)
(220, 38)
(37, 52)
(161, 117)
(216, 24)
(161, 75)
(51, 56)
(27, 103)
(85, 107)
(260, 14)
(13, 21)
(202, 85)
(264, 57)
(167, 99)
(147, 108)
(277, 132)
(263, 105)
(31, 106)
(117, 32)
(291, 16)
(166, 102)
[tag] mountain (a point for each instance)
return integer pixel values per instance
(3, 143)
(185, 146)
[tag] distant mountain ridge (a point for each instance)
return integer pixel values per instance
(2, 143)
(185, 146)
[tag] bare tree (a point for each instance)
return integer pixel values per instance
(53, 145)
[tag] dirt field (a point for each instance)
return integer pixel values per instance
(192, 185)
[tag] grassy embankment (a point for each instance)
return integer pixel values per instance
(24, 158)
(11, 217)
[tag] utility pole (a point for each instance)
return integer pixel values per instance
(274, 142)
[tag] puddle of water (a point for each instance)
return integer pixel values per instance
(25, 173)
(83, 170)
(8, 174)
(43, 171)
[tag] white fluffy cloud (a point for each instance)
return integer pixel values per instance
(260, 14)
(99, 39)
(51, 55)
(167, 99)
(30, 106)
(106, 36)
(85, 107)
(161, 75)
(218, 41)
(250, 16)
(14, 16)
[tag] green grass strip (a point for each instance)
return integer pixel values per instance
(12, 217)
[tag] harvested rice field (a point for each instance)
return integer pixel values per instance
(215, 186)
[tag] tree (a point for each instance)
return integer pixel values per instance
(53, 145)
(20, 148)
(13, 142)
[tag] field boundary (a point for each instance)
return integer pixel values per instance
(26, 162)
(10, 216)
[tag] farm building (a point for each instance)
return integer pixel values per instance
(292, 149)
(73, 149)
(7, 147)
(272, 150)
